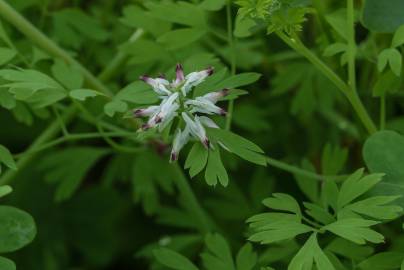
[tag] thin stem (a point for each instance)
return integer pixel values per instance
(296, 44)
(73, 137)
(206, 225)
(351, 45)
(233, 59)
(382, 112)
(119, 60)
(296, 170)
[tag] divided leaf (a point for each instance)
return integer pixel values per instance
(283, 202)
(215, 171)
(356, 230)
(311, 254)
(197, 159)
(6, 158)
(68, 168)
(238, 145)
(173, 260)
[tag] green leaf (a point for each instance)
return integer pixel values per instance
(32, 86)
(83, 94)
(398, 38)
(355, 186)
(310, 254)
(338, 21)
(197, 159)
(147, 181)
(144, 51)
(135, 16)
(319, 213)
(6, 55)
(356, 230)
(239, 80)
(274, 227)
(6, 158)
(111, 108)
(73, 26)
(333, 159)
(218, 254)
(68, 168)
(348, 249)
(68, 75)
(17, 229)
(391, 56)
(283, 202)
(179, 12)
(334, 49)
(383, 16)
(383, 153)
(377, 207)
(387, 82)
(238, 145)
(382, 261)
(212, 5)
(215, 171)
(6, 264)
(180, 38)
(173, 260)
(246, 258)
(309, 186)
(243, 26)
(5, 190)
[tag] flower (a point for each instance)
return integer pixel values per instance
(175, 103)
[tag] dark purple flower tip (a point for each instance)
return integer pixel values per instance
(223, 112)
(137, 113)
(144, 78)
(145, 126)
(225, 92)
(173, 157)
(210, 70)
(180, 73)
(206, 143)
(158, 119)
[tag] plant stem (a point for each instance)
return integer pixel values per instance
(42, 41)
(73, 137)
(351, 51)
(206, 225)
(119, 60)
(351, 95)
(233, 60)
(296, 170)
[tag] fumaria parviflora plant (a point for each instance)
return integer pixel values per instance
(251, 143)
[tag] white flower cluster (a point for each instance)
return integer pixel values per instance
(176, 103)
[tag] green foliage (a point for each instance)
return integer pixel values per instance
(317, 100)
(383, 17)
(17, 229)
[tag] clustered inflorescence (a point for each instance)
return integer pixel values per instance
(176, 103)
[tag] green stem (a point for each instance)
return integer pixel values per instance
(206, 225)
(351, 95)
(296, 170)
(73, 137)
(351, 52)
(119, 60)
(42, 41)
(233, 59)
